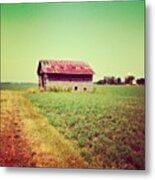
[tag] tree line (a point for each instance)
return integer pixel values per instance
(128, 80)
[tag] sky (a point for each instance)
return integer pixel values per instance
(109, 36)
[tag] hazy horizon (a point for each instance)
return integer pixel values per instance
(109, 36)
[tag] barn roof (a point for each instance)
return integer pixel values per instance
(64, 67)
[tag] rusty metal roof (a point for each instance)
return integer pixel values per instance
(65, 67)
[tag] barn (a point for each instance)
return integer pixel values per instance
(74, 75)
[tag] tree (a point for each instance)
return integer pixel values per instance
(129, 79)
(140, 81)
(118, 81)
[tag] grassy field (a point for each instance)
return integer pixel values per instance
(106, 125)
(17, 86)
(28, 140)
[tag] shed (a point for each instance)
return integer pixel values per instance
(76, 75)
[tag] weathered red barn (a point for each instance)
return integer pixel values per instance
(75, 75)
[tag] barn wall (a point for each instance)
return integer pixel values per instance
(75, 86)
(41, 81)
(69, 77)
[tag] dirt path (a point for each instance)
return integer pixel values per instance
(14, 147)
(27, 139)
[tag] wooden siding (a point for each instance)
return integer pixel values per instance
(68, 77)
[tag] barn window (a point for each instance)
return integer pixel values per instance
(85, 89)
(75, 88)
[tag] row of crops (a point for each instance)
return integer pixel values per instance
(106, 125)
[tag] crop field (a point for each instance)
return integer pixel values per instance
(28, 140)
(106, 126)
(101, 129)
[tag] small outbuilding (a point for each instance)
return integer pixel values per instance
(74, 75)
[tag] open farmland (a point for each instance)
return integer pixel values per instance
(16, 86)
(28, 140)
(107, 125)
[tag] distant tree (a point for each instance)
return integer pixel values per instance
(100, 82)
(109, 80)
(118, 81)
(129, 79)
(105, 79)
(140, 81)
(112, 80)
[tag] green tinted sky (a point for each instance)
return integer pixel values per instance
(107, 35)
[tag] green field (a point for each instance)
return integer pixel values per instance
(16, 86)
(107, 125)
